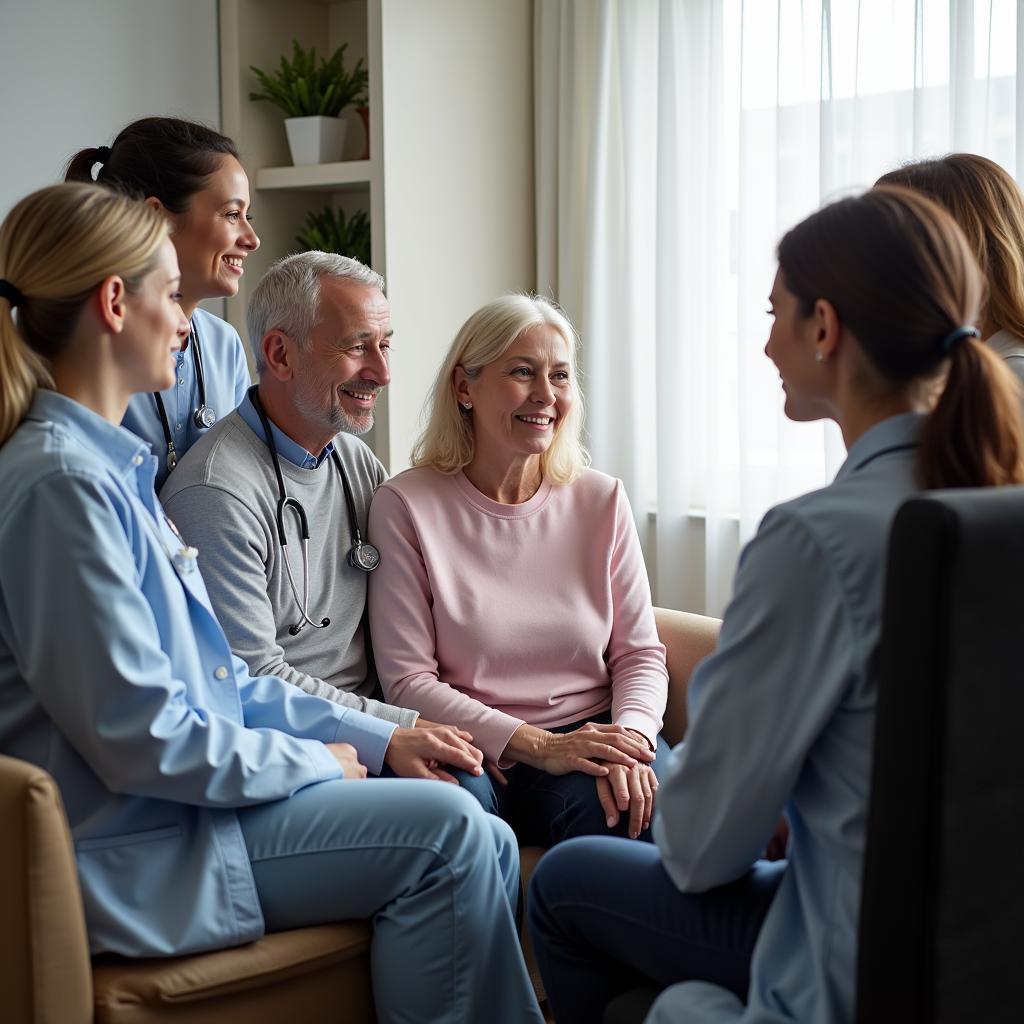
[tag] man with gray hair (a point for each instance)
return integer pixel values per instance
(286, 466)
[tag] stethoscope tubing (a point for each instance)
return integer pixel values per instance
(362, 555)
(203, 417)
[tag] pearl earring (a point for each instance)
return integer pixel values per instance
(819, 357)
(467, 405)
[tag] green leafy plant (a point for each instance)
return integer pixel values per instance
(331, 231)
(301, 89)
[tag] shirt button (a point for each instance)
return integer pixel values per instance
(177, 426)
(137, 460)
(221, 672)
(181, 380)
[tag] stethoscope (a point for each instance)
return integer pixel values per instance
(202, 417)
(362, 555)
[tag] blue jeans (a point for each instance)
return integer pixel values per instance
(436, 877)
(545, 809)
(605, 917)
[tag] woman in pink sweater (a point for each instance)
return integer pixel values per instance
(511, 599)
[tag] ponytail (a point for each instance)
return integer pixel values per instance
(975, 435)
(81, 164)
(56, 247)
(21, 373)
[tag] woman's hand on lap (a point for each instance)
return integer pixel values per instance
(582, 750)
(628, 789)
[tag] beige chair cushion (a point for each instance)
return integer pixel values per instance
(310, 973)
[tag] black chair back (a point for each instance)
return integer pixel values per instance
(941, 935)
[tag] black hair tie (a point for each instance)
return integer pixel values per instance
(102, 154)
(9, 292)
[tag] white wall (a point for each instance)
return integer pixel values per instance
(74, 72)
(457, 94)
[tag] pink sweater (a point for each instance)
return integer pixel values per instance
(486, 615)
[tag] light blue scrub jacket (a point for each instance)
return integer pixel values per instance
(226, 374)
(116, 677)
(782, 717)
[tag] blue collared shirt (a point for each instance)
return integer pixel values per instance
(782, 718)
(116, 677)
(286, 447)
(226, 374)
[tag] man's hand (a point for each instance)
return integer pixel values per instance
(420, 752)
(628, 789)
(347, 756)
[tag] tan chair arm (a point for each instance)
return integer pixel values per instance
(45, 972)
(688, 638)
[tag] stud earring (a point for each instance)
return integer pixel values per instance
(819, 357)
(467, 405)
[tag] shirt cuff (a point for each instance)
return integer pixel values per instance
(642, 723)
(370, 736)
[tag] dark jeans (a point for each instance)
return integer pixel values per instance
(544, 809)
(605, 917)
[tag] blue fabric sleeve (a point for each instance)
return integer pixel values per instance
(270, 703)
(88, 621)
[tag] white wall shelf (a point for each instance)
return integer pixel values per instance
(346, 176)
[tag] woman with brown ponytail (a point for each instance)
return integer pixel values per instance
(874, 305)
(988, 205)
(193, 176)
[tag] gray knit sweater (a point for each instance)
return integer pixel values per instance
(223, 497)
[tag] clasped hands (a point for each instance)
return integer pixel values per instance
(618, 758)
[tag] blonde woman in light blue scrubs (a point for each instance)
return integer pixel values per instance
(238, 805)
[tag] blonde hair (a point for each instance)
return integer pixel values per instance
(447, 442)
(988, 206)
(56, 246)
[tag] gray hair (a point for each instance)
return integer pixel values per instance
(288, 297)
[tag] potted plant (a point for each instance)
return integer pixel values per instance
(331, 231)
(312, 97)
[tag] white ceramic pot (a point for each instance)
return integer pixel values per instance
(315, 140)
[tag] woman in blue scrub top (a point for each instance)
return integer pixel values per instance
(873, 309)
(237, 805)
(191, 174)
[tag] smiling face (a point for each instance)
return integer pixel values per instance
(519, 400)
(792, 346)
(213, 236)
(338, 377)
(154, 327)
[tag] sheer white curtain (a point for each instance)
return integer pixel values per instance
(676, 141)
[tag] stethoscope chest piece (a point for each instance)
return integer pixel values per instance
(204, 417)
(364, 556)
